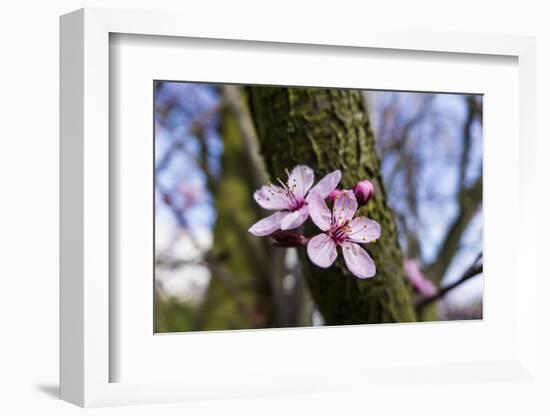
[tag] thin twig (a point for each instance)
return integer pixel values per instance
(178, 144)
(475, 269)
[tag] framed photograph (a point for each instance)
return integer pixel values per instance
(269, 212)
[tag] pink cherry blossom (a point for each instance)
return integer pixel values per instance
(420, 283)
(341, 229)
(291, 199)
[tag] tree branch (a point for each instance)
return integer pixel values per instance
(475, 269)
(467, 138)
(469, 202)
(196, 128)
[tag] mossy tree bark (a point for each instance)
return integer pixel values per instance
(329, 129)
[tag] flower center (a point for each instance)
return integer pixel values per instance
(297, 204)
(339, 233)
(288, 190)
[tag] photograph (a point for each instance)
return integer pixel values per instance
(306, 206)
(218, 208)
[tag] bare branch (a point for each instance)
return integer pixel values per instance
(475, 269)
(472, 115)
(469, 203)
(178, 144)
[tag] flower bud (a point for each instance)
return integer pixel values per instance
(333, 194)
(364, 191)
(286, 238)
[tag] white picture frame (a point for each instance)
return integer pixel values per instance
(87, 356)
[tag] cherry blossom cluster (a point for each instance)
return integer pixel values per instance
(298, 199)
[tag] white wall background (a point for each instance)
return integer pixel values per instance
(29, 56)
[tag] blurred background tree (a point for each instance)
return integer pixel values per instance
(212, 274)
(431, 151)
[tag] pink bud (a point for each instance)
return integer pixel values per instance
(364, 191)
(334, 194)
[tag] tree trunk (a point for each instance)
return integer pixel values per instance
(329, 129)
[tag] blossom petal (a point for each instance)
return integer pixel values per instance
(272, 197)
(295, 219)
(423, 285)
(358, 260)
(319, 212)
(300, 180)
(426, 288)
(268, 225)
(326, 185)
(345, 207)
(363, 230)
(322, 250)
